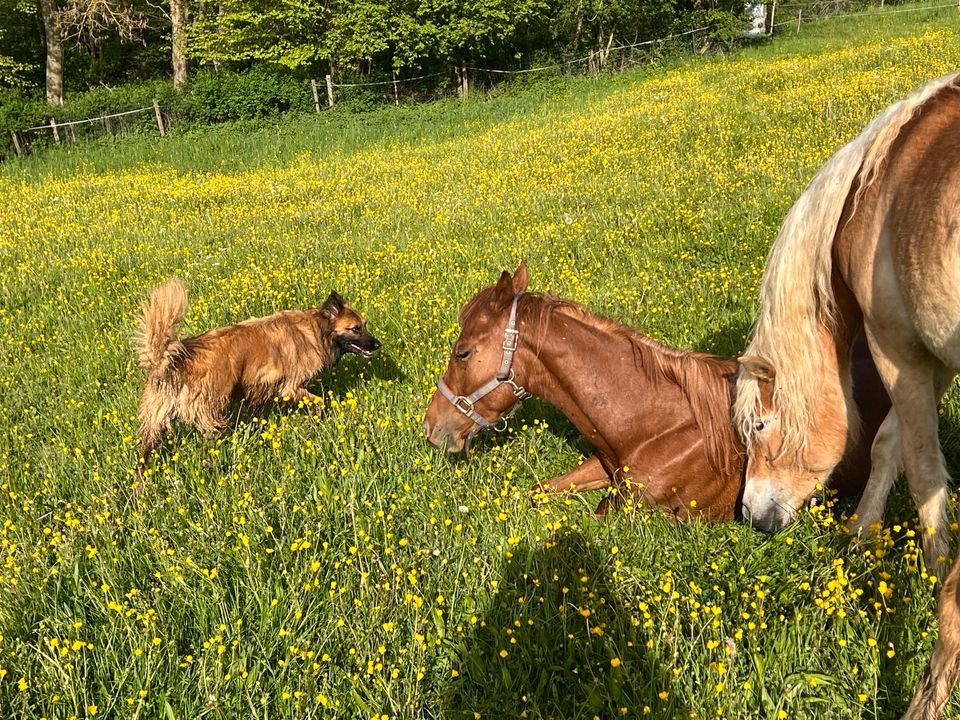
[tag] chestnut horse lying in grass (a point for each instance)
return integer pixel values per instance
(659, 418)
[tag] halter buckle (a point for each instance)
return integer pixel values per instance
(511, 339)
(463, 404)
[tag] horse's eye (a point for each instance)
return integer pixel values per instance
(759, 425)
(462, 354)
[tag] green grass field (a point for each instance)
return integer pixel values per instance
(337, 566)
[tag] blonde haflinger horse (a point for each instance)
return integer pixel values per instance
(872, 245)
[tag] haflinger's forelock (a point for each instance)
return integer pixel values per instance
(796, 295)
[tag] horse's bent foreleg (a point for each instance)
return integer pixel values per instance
(885, 463)
(589, 475)
(941, 675)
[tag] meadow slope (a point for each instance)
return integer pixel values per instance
(336, 566)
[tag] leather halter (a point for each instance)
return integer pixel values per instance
(465, 403)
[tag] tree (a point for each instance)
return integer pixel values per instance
(53, 41)
(178, 34)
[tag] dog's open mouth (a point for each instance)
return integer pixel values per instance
(361, 351)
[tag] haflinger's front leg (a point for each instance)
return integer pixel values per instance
(589, 475)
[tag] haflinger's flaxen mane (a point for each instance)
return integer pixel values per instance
(256, 361)
(802, 253)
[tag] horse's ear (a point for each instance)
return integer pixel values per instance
(520, 278)
(503, 290)
(759, 367)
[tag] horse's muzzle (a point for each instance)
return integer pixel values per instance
(444, 438)
(765, 506)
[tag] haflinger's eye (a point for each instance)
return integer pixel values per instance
(761, 424)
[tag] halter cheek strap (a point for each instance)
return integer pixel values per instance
(465, 403)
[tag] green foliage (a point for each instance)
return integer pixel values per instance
(582, 24)
(12, 73)
(20, 110)
(255, 93)
(288, 33)
(725, 27)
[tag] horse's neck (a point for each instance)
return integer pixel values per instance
(837, 341)
(607, 385)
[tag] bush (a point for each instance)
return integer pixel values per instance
(20, 109)
(255, 93)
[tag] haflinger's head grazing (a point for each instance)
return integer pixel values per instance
(480, 390)
(348, 329)
(793, 404)
(784, 471)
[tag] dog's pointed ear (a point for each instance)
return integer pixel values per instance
(520, 278)
(333, 305)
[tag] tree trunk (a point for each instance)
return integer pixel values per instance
(54, 43)
(178, 21)
(217, 62)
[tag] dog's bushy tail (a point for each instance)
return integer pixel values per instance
(158, 342)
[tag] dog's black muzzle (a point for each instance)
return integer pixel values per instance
(364, 345)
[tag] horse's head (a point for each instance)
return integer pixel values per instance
(477, 360)
(784, 470)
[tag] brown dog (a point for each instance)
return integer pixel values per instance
(257, 360)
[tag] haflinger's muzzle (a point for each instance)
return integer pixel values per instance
(465, 403)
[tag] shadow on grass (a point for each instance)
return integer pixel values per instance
(557, 642)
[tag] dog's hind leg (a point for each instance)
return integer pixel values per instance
(156, 412)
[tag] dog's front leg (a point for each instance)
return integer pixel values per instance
(301, 396)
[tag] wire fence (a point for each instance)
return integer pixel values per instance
(457, 80)
(799, 14)
(58, 132)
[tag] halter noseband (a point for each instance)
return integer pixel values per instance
(504, 376)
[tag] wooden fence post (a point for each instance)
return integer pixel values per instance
(16, 143)
(329, 91)
(396, 95)
(316, 95)
(159, 116)
(53, 126)
(464, 83)
(799, 18)
(773, 15)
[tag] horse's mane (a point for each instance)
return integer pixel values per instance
(706, 380)
(796, 295)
